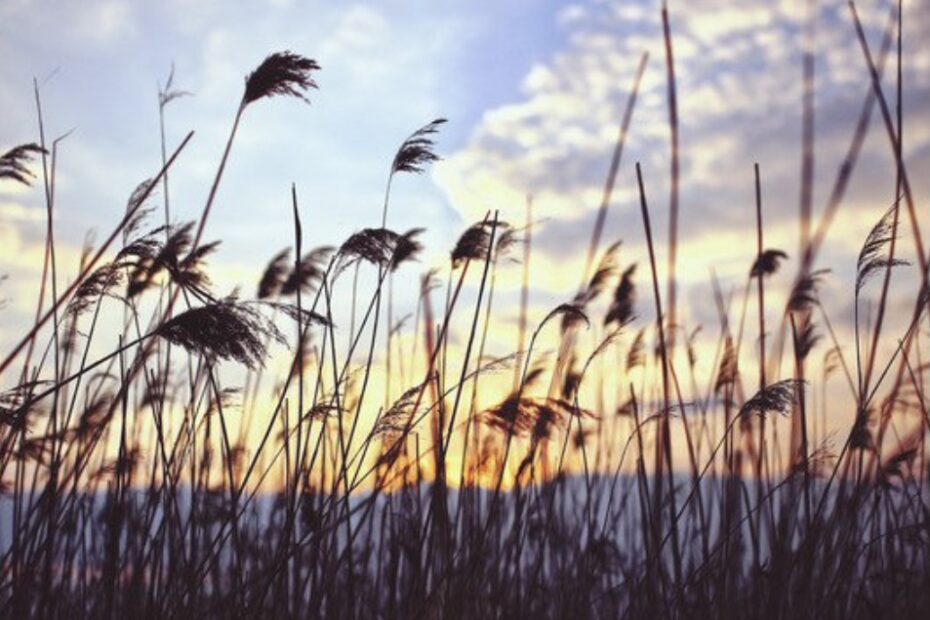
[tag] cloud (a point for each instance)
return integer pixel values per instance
(97, 23)
(738, 75)
(390, 67)
(105, 20)
(361, 28)
(15, 212)
(739, 85)
(22, 254)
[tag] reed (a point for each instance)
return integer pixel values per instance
(170, 451)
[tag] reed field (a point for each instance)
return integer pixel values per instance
(298, 447)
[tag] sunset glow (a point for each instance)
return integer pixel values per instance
(501, 309)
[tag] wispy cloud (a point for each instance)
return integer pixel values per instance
(739, 79)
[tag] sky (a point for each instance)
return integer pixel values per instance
(533, 90)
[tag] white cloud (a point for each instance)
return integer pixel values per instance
(89, 22)
(386, 71)
(739, 86)
(105, 20)
(361, 28)
(16, 212)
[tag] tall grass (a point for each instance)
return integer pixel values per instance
(143, 481)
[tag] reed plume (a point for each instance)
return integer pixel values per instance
(307, 274)
(776, 397)
(14, 164)
(872, 257)
(767, 263)
(473, 243)
(281, 74)
(225, 329)
(622, 309)
(275, 274)
(416, 152)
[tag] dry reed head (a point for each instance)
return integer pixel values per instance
(689, 341)
(322, 411)
(167, 93)
(807, 337)
(571, 314)
(777, 397)
(514, 416)
(507, 239)
(621, 310)
(474, 242)
(396, 424)
(372, 245)
(728, 370)
(150, 256)
(400, 415)
(767, 263)
(282, 73)
(526, 416)
(94, 416)
(14, 404)
(274, 275)
(815, 463)
(636, 355)
(225, 329)
(903, 457)
(307, 273)
(14, 164)
(406, 248)
(606, 269)
(872, 256)
(102, 281)
(304, 316)
(804, 293)
(136, 209)
(605, 343)
(190, 271)
(571, 381)
(416, 152)
(429, 282)
(228, 398)
(831, 361)
(534, 374)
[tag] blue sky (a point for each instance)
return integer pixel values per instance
(387, 69)
(533, 90)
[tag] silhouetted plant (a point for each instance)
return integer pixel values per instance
(225, 329)
(14, 163)
(281, 74)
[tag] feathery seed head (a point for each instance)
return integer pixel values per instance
(281, 73)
